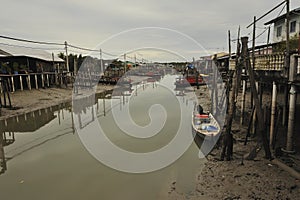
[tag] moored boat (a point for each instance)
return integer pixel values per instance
(204, 124)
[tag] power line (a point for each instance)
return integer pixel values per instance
(30, 41)
(82, 48)
(269, 25)
(38, 48)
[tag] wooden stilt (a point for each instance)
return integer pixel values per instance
(261, 126)
(243, 102)
(21, 83)
(28, 82)
(43, 81)
(36, 82)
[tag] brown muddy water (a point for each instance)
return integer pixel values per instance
(46, 159)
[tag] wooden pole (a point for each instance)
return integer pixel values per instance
(256, 99)
(43, 80)
(21, 83)
(2, 154)
(287, 61)
(228, 138)
(48, 82)
(36, 81)
(101, 62)
(104, 111)
(67, 56)
(75, 66)
(243, 102)
(229, 44)
(253, 57)
(268, 39)
(125, 65)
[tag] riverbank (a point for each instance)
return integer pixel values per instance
(30, 100)
(240, 178)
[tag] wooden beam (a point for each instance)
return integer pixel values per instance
(259, 113)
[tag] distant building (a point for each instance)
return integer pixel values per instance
(15, 59)
(279, 31)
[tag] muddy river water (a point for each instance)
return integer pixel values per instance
(47, 156)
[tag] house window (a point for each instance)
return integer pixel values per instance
(279, 31)
(293, 27)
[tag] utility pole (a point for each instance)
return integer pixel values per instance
(268, 39)
(101, 62)
(67, 57)
(253, 43)
(125, 63)
(229, 44)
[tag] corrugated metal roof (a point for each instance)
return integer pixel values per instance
(9, 50)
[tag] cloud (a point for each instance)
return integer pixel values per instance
(87, 23)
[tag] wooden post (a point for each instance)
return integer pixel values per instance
(101, 63)
(67, 56)
(29, 82)
(125, 65)
(268, 39)
(43, 82)
(256, 99)
(273, 113)
(104, 111)
(21, 83)
(284, 105)
(243, 102)
(12, 83)
(253, 43)
(2, 154)
(36, 82)
(229, 44)
(228, 138)
(48, 82)
(72, 120)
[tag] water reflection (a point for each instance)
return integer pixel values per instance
(42, 152)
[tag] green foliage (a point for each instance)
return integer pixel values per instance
(281, 46)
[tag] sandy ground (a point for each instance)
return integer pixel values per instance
(29, 100)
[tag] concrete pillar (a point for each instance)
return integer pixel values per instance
(273, 113)
(291, 119)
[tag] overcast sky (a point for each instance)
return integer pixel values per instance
(180, 29)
